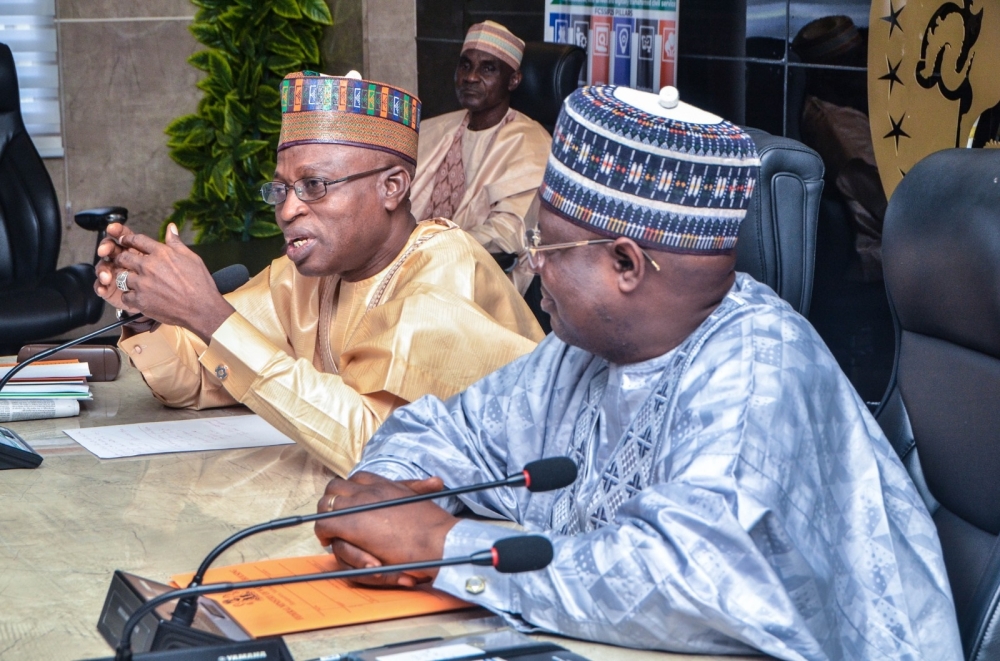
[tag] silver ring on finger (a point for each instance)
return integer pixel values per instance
(122, 281)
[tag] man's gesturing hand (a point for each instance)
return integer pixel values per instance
(108, 251)
(166, 281)
(387, 536)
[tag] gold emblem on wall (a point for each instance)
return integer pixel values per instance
(933, 68)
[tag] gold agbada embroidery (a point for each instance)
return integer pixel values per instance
(437, 319)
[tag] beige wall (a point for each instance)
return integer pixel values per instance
(125, 76)
(390, 42)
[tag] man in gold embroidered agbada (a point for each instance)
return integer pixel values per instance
(367, 310)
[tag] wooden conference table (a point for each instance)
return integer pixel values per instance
(67, 525)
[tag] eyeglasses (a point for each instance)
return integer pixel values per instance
(535, 259)
(308, 189)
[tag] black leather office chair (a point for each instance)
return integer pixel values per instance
(36, 300)
(550, 72)
(777, 240)
(941, 253)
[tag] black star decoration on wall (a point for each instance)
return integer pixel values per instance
(897, 131)
(892, 76)
(893, 18)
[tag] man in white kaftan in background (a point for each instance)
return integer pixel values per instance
(481, 166)
(734, 494)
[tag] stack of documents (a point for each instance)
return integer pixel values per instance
(46, 389)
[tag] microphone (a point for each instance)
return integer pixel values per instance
(508, 556)
(537, 476)
(226, 280)
(515, 555)
(231, 278)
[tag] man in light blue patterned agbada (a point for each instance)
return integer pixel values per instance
(734, 492)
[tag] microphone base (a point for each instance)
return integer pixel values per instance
(212, 625)
(265, 649)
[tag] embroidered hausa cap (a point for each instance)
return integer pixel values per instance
(663, 173)
(316, 108)
(495, 39)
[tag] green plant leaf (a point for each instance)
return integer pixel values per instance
(262, 229)
(233, 127)
(310, 48)
(286, 8)
(199, 137)
(215, 114)
(287, 46)
(283, 65)
(221, 173)
(233, 223)
(206, 33)
(212, 86)
(246, 77)
(269, 124)
(189, 157)
(234, 17)
(317, 10)
(184, 124)
(223, 141)
(248, 148)
(219, 68)
(199, 60)
(238, 110)
(269, 97)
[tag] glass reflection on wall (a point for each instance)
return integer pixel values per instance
(799, 69)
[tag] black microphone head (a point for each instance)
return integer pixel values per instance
(549, 474)
(523, 553)
(231, 278)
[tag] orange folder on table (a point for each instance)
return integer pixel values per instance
(283, 609)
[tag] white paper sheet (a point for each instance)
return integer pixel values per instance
(225, 433)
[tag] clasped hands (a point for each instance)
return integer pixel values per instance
(166, 281)
(388, 536)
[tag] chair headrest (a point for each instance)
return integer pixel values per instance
(941, 256)
(550, 73)
(941, 248)
(10, 98)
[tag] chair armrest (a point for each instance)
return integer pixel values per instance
(97, 220)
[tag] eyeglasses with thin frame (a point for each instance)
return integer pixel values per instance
(308, 189)
(533, 238)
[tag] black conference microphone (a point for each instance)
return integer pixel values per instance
(510, 555)
(541, 475)
(227, 280)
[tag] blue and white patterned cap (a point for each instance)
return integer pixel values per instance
(663, 173)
